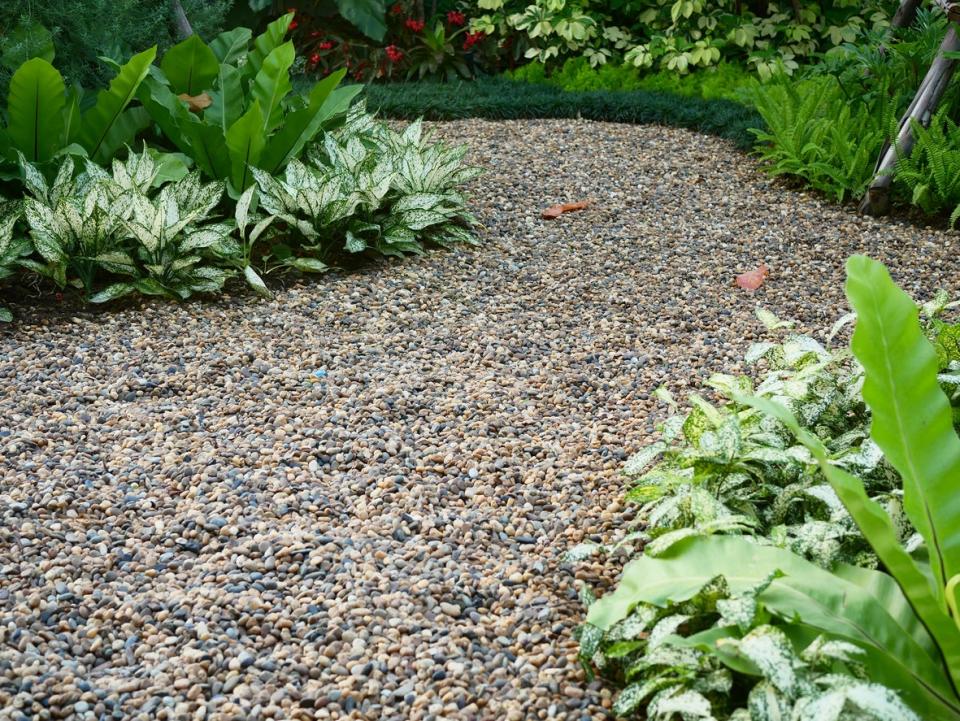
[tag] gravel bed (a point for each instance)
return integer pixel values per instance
(351, 502)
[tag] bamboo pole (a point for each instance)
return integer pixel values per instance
(876, 201)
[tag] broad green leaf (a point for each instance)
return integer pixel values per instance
(272, 84)
(369, 16)
(897, 648)
(912, 419)
(190, 66)
(266, 43)
(245, 143)
(230, 45)
(209, 149)
(100, 121)
(167, 111)
(228, 99)
(36, 110)
(300, 127)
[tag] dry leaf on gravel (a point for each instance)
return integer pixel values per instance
(753, 279)
(555, 211)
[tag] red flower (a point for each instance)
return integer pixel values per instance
(414, 25)
(394, 53)
(293, 25)
(457, 18)
(473, 38)
(397, 9)
(325, 45)
(314, 59)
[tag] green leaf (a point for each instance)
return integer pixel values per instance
(912, 418)
(5, 315)
(265, 44)
(101, 124)
(190, 66)
(368, 16)
(272, 84)
(112, 292)
(300, 127)
(256, 282)
(230, 45)
(245, 144)
(308, 265)
(228, 99)
(35, 107)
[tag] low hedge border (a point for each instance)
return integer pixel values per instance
(501, 99)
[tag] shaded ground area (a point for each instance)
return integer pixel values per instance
(351, 502)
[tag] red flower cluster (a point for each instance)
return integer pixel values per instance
(394, 53)
(456, 18)
(414, 25)
(293, 22)
(397, 9)
(314, 59)
(473, 38)
(325, 45)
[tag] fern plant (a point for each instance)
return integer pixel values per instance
(815, 132)
(931, 172)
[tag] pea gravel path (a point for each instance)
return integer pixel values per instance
(350, 502)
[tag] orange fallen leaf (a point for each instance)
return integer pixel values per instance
(196, 102)
(555, 211)
(753, 279)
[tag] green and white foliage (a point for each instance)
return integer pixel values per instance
(13, 247)
(677, 660)
(737, 590)
(100, 225)
(76, 224)
(726, 468)
(173, 236)
(368, 188)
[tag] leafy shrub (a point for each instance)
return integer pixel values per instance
(724, 81)
(45, 120)
(369, 188)
(103, 225)
(816, 132)
(677, 36)
(151, 227)
(85, 31)
(229, 105)
(719, 626)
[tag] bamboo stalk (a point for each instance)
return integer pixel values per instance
(876, 201)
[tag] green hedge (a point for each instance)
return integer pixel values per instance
(501, 99)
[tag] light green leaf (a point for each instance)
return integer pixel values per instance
(245, 143)
(36, 110)
(272, 84)
(101, 125)
(190, 66)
